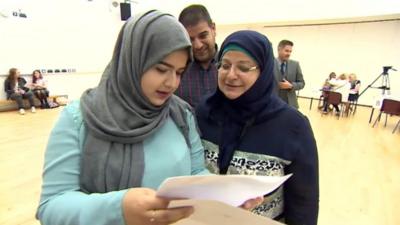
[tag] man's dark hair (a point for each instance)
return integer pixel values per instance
(283, 43)
(193, 14)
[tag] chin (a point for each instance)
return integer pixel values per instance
(231, 95)
(203, 58)
(158, 102)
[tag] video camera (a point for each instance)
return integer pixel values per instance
(387, 68)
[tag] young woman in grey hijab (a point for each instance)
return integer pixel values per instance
(110, 150)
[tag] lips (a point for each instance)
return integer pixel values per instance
(163, 94)
(232, 86)
(201, 51)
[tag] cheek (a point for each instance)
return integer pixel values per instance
(147, 85)
(178, 82)
(221, 79)
(249, 82)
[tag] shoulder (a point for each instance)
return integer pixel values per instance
(193, 66)
(293, 121)
(182, 106)
(293, 62)
(73, 110)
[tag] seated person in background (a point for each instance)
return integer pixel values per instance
(110, 151)
(354, 91)
(342, 86)
(327, 87)
(39, 88)
(354, 87)
(16, 88)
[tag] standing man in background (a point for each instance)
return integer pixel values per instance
(288, 74)
(200, 78)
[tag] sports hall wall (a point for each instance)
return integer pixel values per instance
(79, 36)
(76, 36)
(362, 46)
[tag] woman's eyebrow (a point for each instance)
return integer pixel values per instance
(171, 66)
(166, 64)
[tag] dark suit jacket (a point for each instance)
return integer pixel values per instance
(292, 74)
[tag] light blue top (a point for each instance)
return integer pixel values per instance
(61, 202)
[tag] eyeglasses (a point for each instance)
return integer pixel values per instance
(239, 68)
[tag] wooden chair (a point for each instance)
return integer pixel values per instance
(335, 98)
(397, 125)
(389, 106)
(353, 106)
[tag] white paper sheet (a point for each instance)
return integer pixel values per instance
(233, 190)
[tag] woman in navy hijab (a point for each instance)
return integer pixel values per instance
(246, 129)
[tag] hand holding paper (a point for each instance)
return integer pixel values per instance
(215, 197)
(230, 189)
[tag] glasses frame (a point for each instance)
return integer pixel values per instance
(218, 65)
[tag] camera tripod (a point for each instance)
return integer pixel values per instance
(385, 82)
(385, 85)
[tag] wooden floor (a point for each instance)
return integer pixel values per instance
(359, 167)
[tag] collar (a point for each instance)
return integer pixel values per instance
(280, 62)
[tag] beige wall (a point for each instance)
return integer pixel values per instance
(360, 48)
(81, 35)
(62, 34)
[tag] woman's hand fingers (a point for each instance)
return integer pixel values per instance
(169, 216)
(252, 203)
(141, 206)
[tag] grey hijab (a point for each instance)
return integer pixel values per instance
(116, 114)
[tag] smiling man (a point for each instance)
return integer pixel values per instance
(200, 78)
(288, 74)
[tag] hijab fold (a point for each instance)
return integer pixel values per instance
(117, 115)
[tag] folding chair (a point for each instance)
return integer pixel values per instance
(397, 125)
(335, 98)
(322, 97)
(353, 106)
(389, 106)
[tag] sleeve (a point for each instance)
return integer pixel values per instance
(61, 201)
(358, 85)
(333, 82)
(299, 83)
(45, 83)
(346, 91)
(24, 85)
(301, 191)
(197, 151)
(7, 87)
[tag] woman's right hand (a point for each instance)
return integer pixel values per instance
(141, 206)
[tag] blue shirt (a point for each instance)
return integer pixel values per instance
(61, 202)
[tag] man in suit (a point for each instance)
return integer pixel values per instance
(288, 74)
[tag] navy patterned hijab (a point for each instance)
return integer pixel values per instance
(257, 104)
